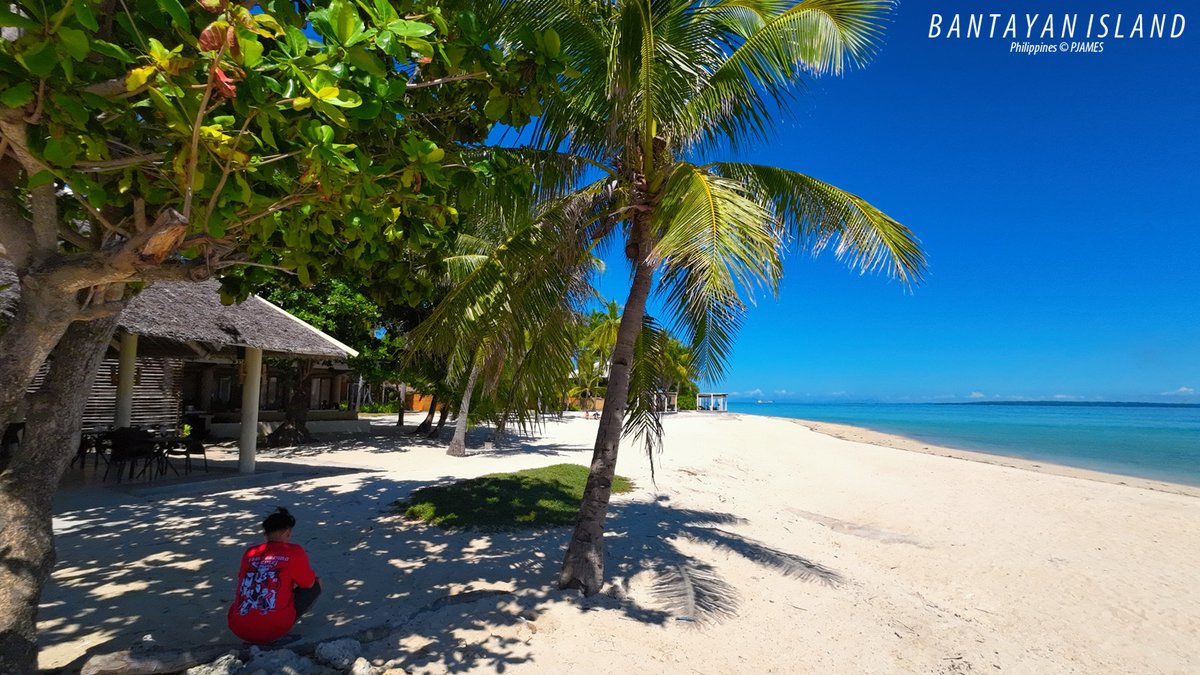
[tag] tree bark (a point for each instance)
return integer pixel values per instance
(38, 323)
(28, 484)
(400, 406)
(583, 565)
(458, 444)
(294, 430)
(427, 423)
(436, 431)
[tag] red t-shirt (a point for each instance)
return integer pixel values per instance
(262, 609)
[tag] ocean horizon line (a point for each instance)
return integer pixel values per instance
(1006, 402)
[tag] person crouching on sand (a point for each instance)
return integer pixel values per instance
(275, 586)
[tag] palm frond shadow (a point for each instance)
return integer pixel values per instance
(684, 585)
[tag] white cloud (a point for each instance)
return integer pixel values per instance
(837, 393)
(976, 394)
(1065, 397)
(754, 392)
(781, 392)
(1182, 391)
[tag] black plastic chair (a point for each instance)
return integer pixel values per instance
(185, 448)
(131, 447)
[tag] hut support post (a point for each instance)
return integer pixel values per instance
(248, 445)
(126, 376)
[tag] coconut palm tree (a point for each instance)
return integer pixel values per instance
(655, 88)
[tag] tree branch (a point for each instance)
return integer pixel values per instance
(16, 237)
(119, 163)
(43, 202)
(444, 80)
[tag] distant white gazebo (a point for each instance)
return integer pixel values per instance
(712, 402)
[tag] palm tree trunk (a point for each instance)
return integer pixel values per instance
(427, 423)
(28, 484)
(433, 433)
(458, 444)
(583, 566)
(403, 394)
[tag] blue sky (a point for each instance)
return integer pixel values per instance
(1055, 197)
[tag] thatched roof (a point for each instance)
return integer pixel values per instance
(191, 312)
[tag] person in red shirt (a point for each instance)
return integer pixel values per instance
(276, 584)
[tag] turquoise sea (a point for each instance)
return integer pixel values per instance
(1144, 440)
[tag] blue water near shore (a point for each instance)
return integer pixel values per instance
(1147, 441)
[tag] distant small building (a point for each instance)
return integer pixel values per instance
(712, 402)
(666, 401)
(180, 355)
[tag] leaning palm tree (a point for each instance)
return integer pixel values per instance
(661, 85)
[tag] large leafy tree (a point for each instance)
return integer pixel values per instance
(151, 139)
(665, 85)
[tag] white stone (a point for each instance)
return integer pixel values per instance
(229, 664)
(363, 667)
(339, 653)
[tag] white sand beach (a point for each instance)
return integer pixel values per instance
(805, 553)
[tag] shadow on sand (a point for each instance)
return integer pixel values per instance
(161, 572)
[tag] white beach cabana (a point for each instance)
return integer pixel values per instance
(712, 402)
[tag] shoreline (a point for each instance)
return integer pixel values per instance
(848, 432)
(887, 561)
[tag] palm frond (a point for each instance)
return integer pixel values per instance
(717, 244)
(647, 378)
(820, 214)
(766, 64)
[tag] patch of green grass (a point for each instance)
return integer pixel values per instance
(533, 498)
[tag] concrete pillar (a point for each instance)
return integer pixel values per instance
(251, 386)
(126, 376)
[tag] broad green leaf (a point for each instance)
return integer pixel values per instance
(552, 42)
(344, 98)
(74, 108)
(252, 51)
(17, 95)
(85, 16)
(404, 28)
(112, 51)
(268, 23)
(297, 41)
(422, 47)
(347, 24)
(75, 41)
(385, 11)
(392, 46)
(39, 59)
(331, 112)
(369, 110)
(177, 12)
(10, 19)
(61, 152)
(366, 61)
(496, 107)
(40, 178)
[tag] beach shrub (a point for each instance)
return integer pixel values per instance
(532, 498)
(388, 407)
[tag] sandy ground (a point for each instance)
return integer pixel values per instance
(763, 546)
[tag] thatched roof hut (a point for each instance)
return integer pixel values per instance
(191, 314)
